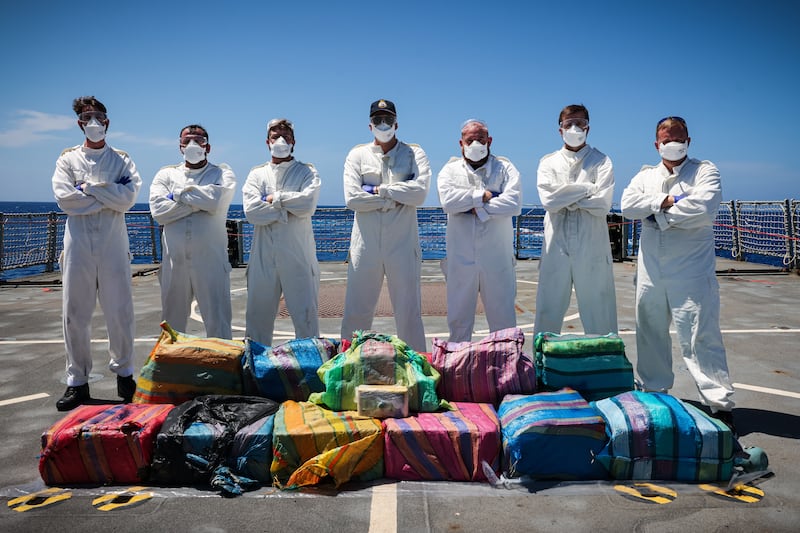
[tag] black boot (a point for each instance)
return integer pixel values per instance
(126, 387)
(73, 397)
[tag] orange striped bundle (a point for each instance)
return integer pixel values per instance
(310, 443)
(181, 367)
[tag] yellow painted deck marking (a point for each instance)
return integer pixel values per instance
(742, 493)
(40, 499)
(119, 500)
(648, 492)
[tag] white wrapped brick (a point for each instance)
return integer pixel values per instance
(382, 401)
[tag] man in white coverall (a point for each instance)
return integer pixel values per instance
(384, 183)
(576, 185)
(480, 194)
(280, 197)
(95, 184)
(677, 201)
(191, 201)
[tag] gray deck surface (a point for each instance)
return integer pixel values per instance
(761, 327)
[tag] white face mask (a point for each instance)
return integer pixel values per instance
(280, 149)
(476, 151)
(574, 137)
(94, 130)
(673, 151)
(383, 132)
(193, 153)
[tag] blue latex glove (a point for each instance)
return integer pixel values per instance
(124, 180)
(369, 188)
(678, 197)
(170, 197)
(78, 186)
(264, 198)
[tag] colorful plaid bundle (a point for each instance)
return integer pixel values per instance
(594, 365)
(653, 435)
(447, 446)
(287, 371)
(181, 367)
(552, 435)
(311, 442)
(486, 370)
(344, 373)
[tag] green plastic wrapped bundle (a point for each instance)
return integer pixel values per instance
(345, 372)
(594, 365)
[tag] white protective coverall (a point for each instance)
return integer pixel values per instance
(385, 237)
(194, 244)
(480, 245)
(283, 257)
(576, 190)
(96, 261)
(676, 280)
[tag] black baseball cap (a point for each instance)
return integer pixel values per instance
(379, 106)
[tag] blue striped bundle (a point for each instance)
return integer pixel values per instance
(653, 435)
(551, 435)
(285, 371)
(594, 365)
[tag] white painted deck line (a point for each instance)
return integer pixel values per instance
(383, 509)
(21, 399)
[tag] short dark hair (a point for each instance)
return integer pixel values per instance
(669, 122)
(194, 128)
(82, 101)
(570, 109)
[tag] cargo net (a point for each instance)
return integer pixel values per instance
(432, 223)
(333, 226)
(143, 235)
(529, 234)
(795, 214)
(31, 239)
(332, 229)
(763, 229)
(724, 238)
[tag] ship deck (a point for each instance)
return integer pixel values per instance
(761, 328)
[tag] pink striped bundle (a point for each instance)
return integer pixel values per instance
(486, 370)
(447, 446)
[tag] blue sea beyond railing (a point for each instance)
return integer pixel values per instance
(759, 232)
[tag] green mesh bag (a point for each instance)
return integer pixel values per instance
(345, 372)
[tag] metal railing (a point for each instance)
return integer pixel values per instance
(36, 239)
(746, 230)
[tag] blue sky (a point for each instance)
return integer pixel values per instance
(730, 68)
